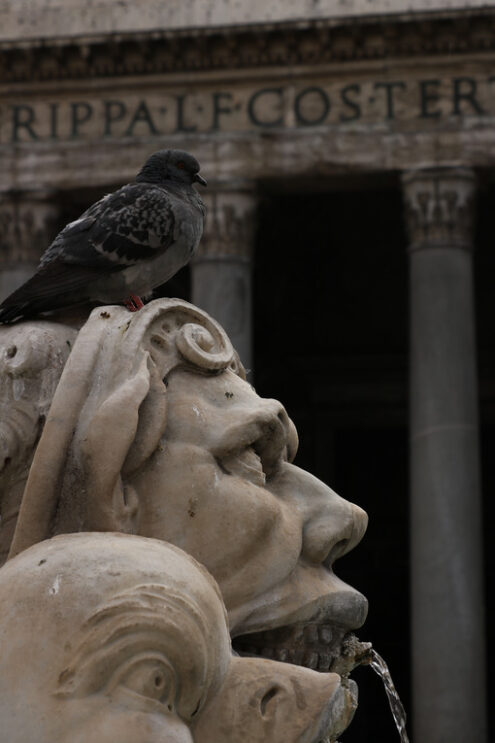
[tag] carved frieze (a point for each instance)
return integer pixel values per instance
(265, 46)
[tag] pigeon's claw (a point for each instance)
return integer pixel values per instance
(133, 303)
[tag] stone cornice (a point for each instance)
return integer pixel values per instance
(304, 43)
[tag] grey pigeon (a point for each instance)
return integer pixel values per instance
(123, 246)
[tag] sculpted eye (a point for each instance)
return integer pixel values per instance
(181, 165)
(150, 678)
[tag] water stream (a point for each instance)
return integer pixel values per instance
(380, 667)
(355, 653)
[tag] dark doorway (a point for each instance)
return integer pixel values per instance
(331, 343)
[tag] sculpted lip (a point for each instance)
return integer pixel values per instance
(313, 636)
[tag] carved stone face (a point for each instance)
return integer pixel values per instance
(220, 486)
(107, 637)
(153, 431)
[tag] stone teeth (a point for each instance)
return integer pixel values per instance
(298, 656)
(324, 661)
(311, 634)
(325, 633)
(311, 660)
(311, 645)
(282, 654)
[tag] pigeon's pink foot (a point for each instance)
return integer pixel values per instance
(133, 303)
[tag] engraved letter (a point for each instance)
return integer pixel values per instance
(353, 105)
(81, 112)
(181, 125)
(429, 94)
(325, 106)
(219, 109)
(254, 115)
(389, 93)
(465, 90)
(23, 117)
(114, 111)
(143, 114)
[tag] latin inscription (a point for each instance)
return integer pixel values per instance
(160, 113)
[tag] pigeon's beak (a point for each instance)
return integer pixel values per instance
(199, 178)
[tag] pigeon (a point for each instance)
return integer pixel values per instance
(123, 246)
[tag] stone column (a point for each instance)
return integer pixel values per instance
(27, 224)
(222, 268)
(446, 556)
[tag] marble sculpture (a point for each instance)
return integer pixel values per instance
(144, 424)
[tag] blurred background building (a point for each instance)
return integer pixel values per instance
(349, 147)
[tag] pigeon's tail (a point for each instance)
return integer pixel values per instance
(54, 286)
(12, 310)
(11, 314)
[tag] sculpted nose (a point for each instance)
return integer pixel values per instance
(333, 526)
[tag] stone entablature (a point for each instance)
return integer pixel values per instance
(98, 54)
(264, 102)
(402, 99)
(269, 123)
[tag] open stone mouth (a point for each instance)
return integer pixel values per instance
(319, 646)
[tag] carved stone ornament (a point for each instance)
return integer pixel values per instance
(439, 207)
(126, 638)
(265, 45)
(153, 431)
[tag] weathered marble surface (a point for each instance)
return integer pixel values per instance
(126, 638)
(153, 431)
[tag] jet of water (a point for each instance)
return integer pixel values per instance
(355, 653)
(380, 667)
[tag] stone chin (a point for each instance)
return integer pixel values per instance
(338, 714)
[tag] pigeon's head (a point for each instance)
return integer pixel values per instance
(166, 166)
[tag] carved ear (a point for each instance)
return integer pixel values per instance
(151, 425)
(104, 446)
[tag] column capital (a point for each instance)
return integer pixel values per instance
(230, 222)
(439, 207)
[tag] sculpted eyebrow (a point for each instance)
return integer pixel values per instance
(135, 621)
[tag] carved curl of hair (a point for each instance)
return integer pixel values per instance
(111, 407)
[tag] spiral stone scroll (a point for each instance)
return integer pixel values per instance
(183, 334)
(109, 412)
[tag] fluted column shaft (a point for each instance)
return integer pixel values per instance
(446, 557)
(27, 222)
(222, 268)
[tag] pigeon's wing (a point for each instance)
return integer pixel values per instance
(54, 285)
(132, 224)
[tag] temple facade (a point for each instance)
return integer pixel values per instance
(350, 155)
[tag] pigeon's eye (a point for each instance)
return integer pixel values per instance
(181, 165)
